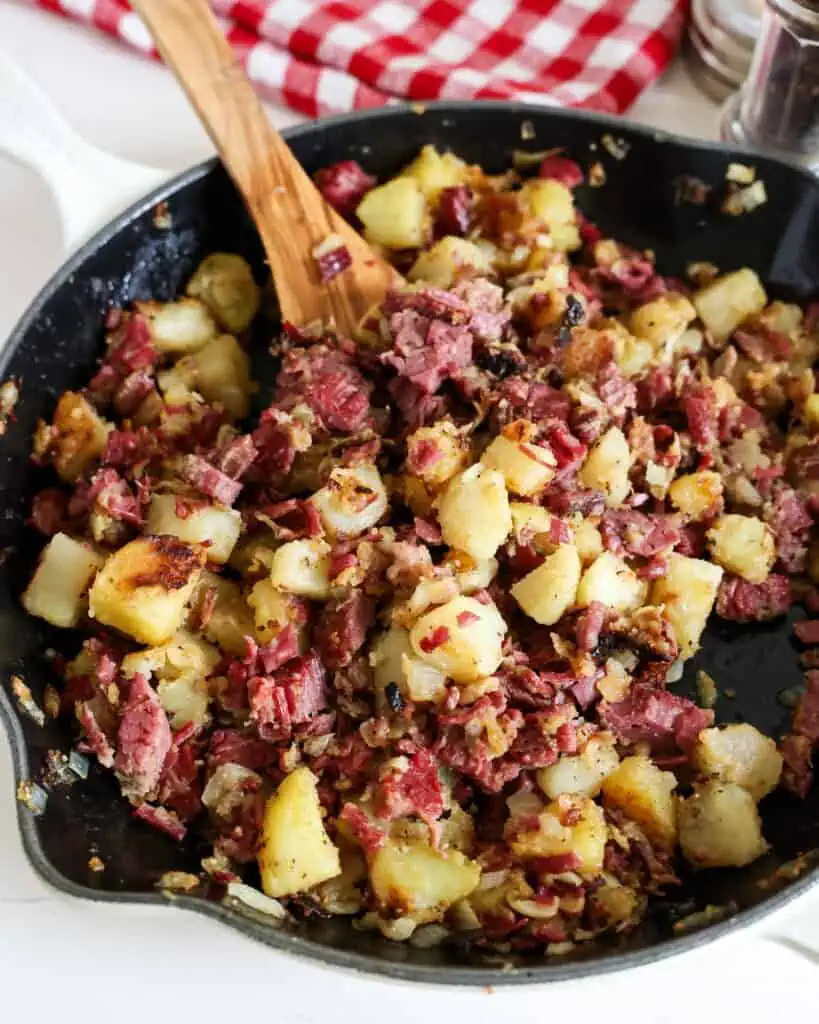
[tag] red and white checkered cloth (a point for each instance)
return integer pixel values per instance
(329, 57)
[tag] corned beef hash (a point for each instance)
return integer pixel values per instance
(403, 646)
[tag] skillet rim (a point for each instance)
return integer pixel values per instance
(296, 945)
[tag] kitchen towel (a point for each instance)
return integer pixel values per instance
(330, 57)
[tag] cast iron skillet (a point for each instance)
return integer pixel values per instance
(55, 347)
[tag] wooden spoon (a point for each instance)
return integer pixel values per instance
(291, 216)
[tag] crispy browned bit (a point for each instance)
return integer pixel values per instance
(707, 689)
(26, 702)
(9, 395)
(96, 864)
(597, 175)
(162, 216)
(51, 701)
(179, 881)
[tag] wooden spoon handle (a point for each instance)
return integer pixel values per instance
(289, 212)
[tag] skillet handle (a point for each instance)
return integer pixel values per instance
(89, 186)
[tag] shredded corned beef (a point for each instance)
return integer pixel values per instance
(324, 379)
(344, 185)
(143, 740)
(291, 519)
(288, 697)
(562, 169)
(163, 820)
(753, 602)
(341, 629)
(210, 480)
(454, 214)
(637, 534)
(662, 720)
(411, 790)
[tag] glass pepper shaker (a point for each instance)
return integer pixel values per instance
(777, 108)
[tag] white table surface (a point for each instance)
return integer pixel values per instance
(76, 961)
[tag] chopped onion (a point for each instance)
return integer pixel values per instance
(256, 900)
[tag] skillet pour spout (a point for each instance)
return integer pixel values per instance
(139, 256)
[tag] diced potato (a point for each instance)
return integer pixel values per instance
(617, 903)
(180, 669)
(549, 200)
(471, 574)
(533, 521)
(253, 555)
(663, 320)
(143, 588)
(473, 512)
(687, 593)
(743, 545)
(635, 356)
(221, 373)
(295, 852)
(586, 839)
(394, 661)
(742, 754)
(547, 592)
(587, 540)
(395, 215)
(435, 171)
(224, 282)
(785, 317)
(302, 567)
(610, 581)
(352, 501)
(414, 879)
(720, 827)
(444, 439)
(726, 302)
(446, 261)
(179, 327)
(273, 610)
(606, 467)
(215, 526)
(643, 792)
(580, 774)
(76, 438)
(461, 638)
(526, 467)
(229, 621)
(695, 494)
(810, 413)
(58, 591)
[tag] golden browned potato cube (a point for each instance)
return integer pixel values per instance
(687, 593)
(273, 610)
(444, 438)
(143, 588)
(474, 511)
(662, 320)
(461, 638)
(395, 215)
(215, 526)
(229, 620)
(695, 494)
(179, 327)
(586, 839)
(742, 754)
(547, 592)
(526, 467)
(352, 501)
(643, 792)
(180, 669)
(610, 581)
(302, 567)
(224, 282)
(445, 262)
(720, 827)
(726, 302)
(58, 591)
(295, 852)
(743, 545)
(580, 774)
(221, 373)
(549, 200)
(77, 436)
(414, 879)
(587, 539)
(435, 171)
(606, 467)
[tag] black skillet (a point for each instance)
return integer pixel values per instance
(643, 202)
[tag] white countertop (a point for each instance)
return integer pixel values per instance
(76, 961)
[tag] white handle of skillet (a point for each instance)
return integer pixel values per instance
(89, 186)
